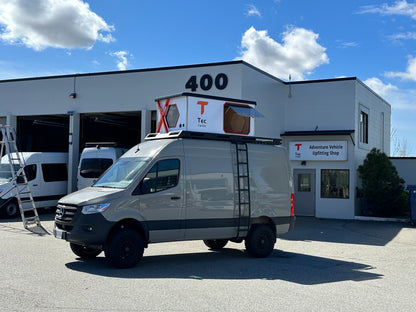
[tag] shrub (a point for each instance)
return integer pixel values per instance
(382, 187)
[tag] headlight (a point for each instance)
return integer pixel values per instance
(96, 208)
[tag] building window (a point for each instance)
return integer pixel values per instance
(335, 183)
(364, 127)
(304, 182)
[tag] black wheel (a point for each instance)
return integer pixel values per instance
(10, 209)
(260, 241)
(124, 248)
(216, 244)
(84, 252)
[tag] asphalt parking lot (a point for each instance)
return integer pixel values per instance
(323, 265)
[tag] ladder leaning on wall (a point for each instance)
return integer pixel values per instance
(19, 182)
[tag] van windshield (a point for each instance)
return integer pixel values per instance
(122, 173)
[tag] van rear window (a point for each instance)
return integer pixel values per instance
(54, 172)
(94, 167)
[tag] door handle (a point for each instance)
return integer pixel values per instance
(34, 185)
(175, 197)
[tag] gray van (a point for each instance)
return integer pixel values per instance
(183, 186)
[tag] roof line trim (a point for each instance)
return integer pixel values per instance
(321, 132)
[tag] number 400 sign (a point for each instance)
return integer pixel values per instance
(206, 82)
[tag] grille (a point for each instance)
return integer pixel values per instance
(65, 213)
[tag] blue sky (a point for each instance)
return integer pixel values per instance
(372, 40)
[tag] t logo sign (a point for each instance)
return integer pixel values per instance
(202, 103)
(298, 145)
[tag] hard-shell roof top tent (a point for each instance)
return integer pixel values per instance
(204, 113)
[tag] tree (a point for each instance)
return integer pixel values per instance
(382, 187)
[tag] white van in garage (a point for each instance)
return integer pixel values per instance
(47, 176)
(183, 186)
(95, 159)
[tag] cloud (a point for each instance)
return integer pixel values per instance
(404, 36)
(400, 7)
(399, 99)
(379, 87)
(409, 74)
(39, 24)
(253, 11)
(122, 61)
(297, 56)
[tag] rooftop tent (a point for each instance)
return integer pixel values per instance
(203, 113)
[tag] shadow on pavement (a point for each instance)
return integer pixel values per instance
(344, 231)
(231, 264)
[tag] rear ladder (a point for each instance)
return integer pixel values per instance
(25, 200)
(243, 190)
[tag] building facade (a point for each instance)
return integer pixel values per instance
(328, 126)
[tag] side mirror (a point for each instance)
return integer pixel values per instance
(145, 186)
(20, 180)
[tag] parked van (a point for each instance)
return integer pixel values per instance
(182, 186)
(47, 176)
(95, 159)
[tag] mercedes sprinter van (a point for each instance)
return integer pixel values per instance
(183, 186)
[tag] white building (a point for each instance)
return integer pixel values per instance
(340, 116)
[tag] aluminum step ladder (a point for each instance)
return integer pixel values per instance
(19, 180)
(243, 190)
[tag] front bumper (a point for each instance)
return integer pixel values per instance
(84, 230)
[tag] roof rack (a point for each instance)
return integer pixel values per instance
(212, 136)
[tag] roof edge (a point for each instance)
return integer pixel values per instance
(130, 71)
(321, 132)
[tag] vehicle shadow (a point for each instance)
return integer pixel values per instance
(344, 231)
(234, 264)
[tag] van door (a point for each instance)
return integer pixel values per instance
(162, 200)
(210, 208)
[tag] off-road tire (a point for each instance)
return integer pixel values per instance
(124, 248)
(260, 241)
(215, 244)
(84, 252)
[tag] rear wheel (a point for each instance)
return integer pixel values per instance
(84, 252)
(260, 241)
(216, 244)
(124, 248)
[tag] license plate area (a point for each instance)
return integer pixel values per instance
(59, 233)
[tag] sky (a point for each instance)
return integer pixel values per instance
(374, 41)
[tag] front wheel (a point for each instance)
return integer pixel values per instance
(260, 241)
(216, 244)
(124, 248)
(10, 209)
(84, 252)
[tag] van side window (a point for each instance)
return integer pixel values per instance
(54, 172)
(163, 175)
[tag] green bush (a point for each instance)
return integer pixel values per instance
(382, 187)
